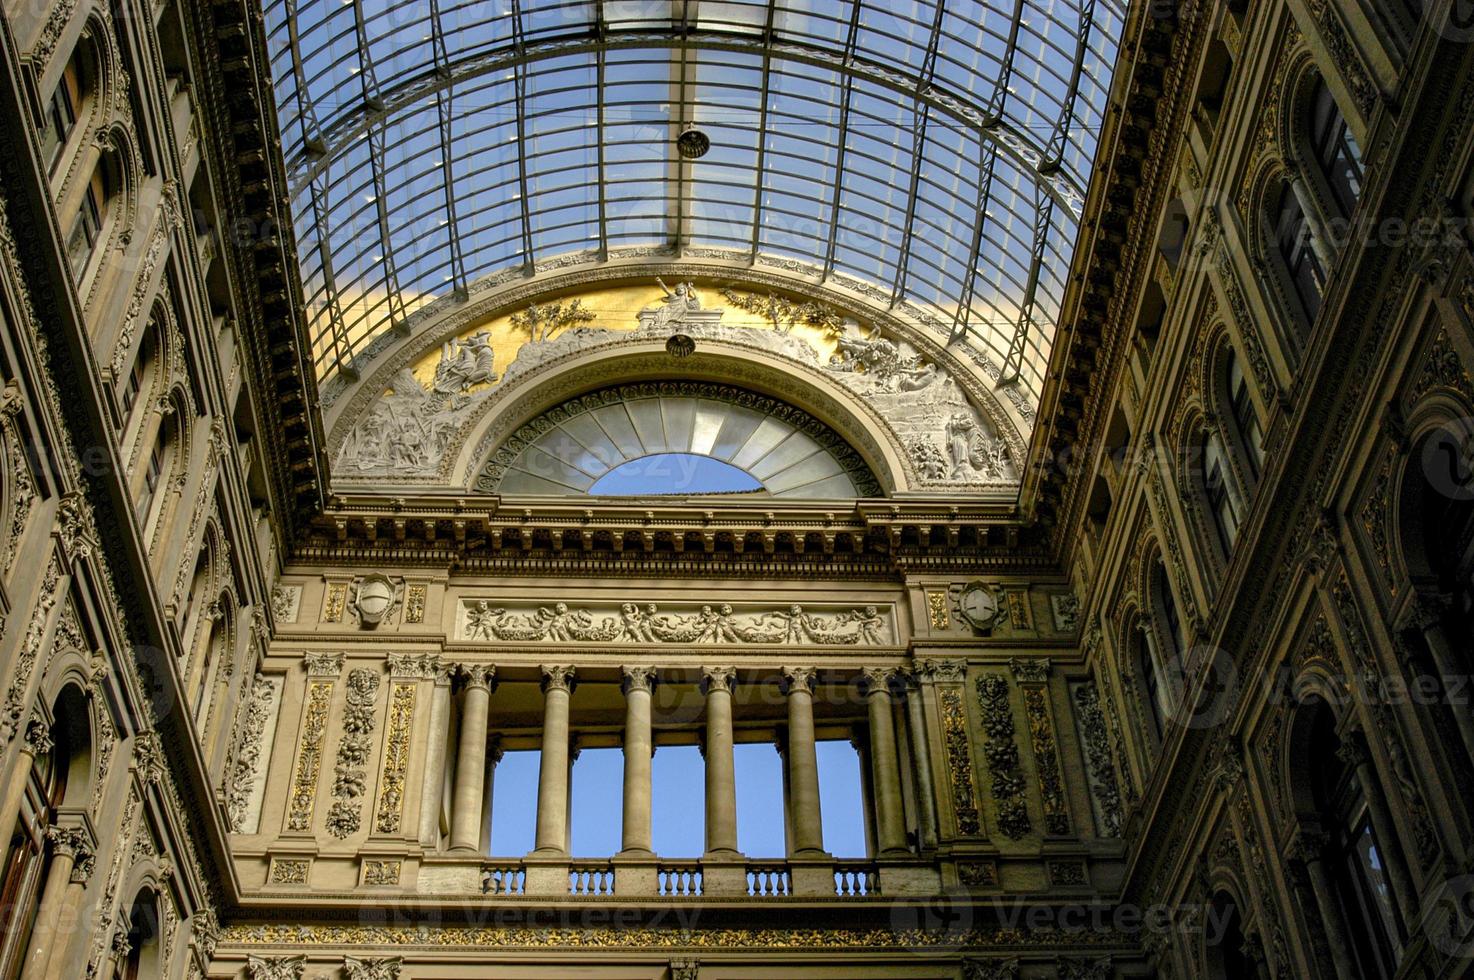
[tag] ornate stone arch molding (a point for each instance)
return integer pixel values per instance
(346, 398)
(712, 365)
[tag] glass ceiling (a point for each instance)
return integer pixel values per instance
(933, 151)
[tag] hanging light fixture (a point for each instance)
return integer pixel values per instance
(693, 143)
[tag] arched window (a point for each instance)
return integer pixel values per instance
(1170, 631)
(86, 227)
(70, 102)
(143, 962)
(140, 375)
(1228, 954)
(1144, 660)
(1245, 416)
(1355, 859)
(1334, 150)
(1219, 495)
(1295, 242)
(157, 470)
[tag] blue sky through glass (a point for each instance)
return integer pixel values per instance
(674, 473)
(514, 804)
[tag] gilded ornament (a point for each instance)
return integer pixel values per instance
(309, 756)
(396, 758)
(290, 871)
(959, 761)
(1046, 760)
(333, 605)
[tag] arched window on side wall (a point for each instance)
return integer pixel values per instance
(85, 230)
(1295, 243)
(144, 961)
(1219, 494)
(1228, 953)
(1335, 152)
(1356, 860)
(1245, 416)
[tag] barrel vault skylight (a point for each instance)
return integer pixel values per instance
(934, 151)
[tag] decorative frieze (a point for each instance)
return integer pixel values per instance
(977, 874)
(959, 761)
(309, 756)
(1002, 756)
(350, 775)
(1067, 873)
(1100, 764)
(396, 758)
(248, 776)
(689, 624)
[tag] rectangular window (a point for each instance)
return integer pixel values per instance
(151, 476)
(133, 384)
(61, 116)
(84, 233)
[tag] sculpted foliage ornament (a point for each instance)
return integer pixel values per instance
(276, 967)
(350, 776)
(959, 761)
(708, 625)
(368, 969)
(1100, 764)
(1002, 756)
(248, 759)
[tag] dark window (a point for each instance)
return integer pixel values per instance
(85, 230)
(133, 384)
(1245, 418)
(1336, 152)
(1151, 687)
(1293, 233)
(153, 473)
(1221, 503)
(1171, 621)
(61, 116)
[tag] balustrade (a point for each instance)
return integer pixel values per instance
(856, 878)
(679, 879)
(769, 880)
(591, 878)
(503, 879)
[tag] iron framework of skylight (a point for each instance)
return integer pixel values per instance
(936, 151)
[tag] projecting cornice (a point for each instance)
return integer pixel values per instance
(1134, 173)
(234, 70)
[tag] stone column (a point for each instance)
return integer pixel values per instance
(1425, 616)
(926, 790)
(71, 854)
(36, 741)
(70, 913)
(803, 763)
(859, 740)
(721, 777)
(1353, 752)
(117, 955)
(465, 821)
(1319, 234)
(639, 747)
(552, 777)
(432, 795)
(889, 823)
(1308, 850)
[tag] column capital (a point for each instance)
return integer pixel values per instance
(120, 945)
(557, 677)
(950, 671)
(1352, 751)
(1030, 670)
(718, 679)
(797, 679)
(83, 865)
(638, 679)
(69, 841)
(38, 738)
(478, 675)
(1308, 845)
(874, 680)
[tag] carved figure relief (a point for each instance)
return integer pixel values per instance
(708, 624)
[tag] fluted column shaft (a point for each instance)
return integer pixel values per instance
(639, 683)
(35, 741)
(890, 825)
(721, 770)
(552, 779)
(470, 784)
(803, 763)
(70, 854)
